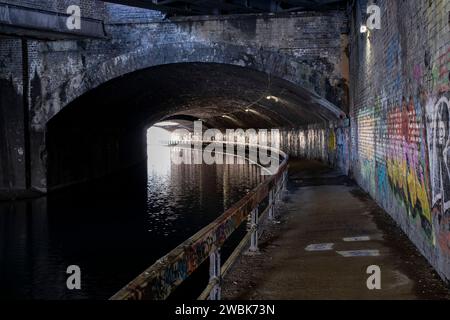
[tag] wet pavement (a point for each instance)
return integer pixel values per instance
(328, 234)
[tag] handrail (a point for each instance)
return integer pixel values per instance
(247, 145)
(160, 279)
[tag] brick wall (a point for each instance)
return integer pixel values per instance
(12, 172)
(305, 48)
(311, 58)
(123, 14)
(317, 54)
(400, 119)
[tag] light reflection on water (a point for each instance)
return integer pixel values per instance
(179, 194)
(112, 229)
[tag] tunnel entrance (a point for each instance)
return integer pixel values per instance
(104, 130)
(99, 147)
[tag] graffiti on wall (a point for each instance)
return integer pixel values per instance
(438, 121)
(441, 72)
(401, 138)
(331, 141)
(406, 159)
(393, 160)
(366, 120)
(403, 148)
(342, 151)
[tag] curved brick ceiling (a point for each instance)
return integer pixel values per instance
(223, 96)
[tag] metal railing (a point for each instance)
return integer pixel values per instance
(163, 277)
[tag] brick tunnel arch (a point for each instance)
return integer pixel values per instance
(255, 75)
(316, 80)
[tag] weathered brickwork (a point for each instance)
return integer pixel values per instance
(307, 49)
(12, 143)
(117, 13)
(288, 47)
(11, 115)
(400, 119)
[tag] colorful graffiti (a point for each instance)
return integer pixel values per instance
(406, 159)
(331, 141)
(393, 157)
(438, 120)
(365, 145)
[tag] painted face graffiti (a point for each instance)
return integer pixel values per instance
(439, 152)
(442, 132)
(438, 117)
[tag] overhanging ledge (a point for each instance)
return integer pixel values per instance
(19, 21)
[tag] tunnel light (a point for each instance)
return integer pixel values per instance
(363, 29)
(247, 110)
(272, 98)
(166, 124)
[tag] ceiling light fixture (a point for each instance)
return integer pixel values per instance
(272, 98)
(166, 124)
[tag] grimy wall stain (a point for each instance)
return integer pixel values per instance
(399, 111)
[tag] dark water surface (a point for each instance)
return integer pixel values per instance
(113, 229)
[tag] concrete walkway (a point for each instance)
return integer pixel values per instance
(322, 207)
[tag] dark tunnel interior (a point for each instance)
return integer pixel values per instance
(104, 130)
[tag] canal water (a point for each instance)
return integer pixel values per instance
(112, 229)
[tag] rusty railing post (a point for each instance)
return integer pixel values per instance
(271, 205)
(254, 226)
(285, 180)
(215, 275)
(279, 190)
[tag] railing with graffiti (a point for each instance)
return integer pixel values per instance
(163, 277)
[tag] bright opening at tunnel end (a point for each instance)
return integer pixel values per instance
(217, 147)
